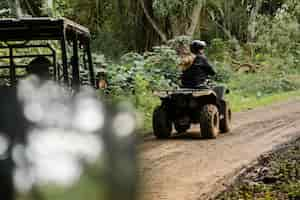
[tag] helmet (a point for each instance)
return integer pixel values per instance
(197, 45)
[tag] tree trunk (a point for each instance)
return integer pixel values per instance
(152, 22)
(220, 26)
(252, 21)
(195, 18)
(187, 25)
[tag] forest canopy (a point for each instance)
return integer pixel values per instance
(139, 25)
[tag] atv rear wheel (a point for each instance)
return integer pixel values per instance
(162, 125)
(225, 123)
(209, 121)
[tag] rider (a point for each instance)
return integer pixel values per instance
(40, 67)
(200, 69)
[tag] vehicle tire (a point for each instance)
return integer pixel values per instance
(225, 123)
(162, 125)
(209, 121)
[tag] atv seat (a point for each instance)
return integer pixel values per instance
(198, 87)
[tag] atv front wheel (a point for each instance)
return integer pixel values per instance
(209, 121)
(225, 123)
(162, 125)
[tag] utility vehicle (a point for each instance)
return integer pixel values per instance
(61, 42)
(181, 108)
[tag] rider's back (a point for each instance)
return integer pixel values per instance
(197, 73)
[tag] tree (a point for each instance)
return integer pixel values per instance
(139, 25)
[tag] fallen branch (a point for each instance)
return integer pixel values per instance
(246, 67)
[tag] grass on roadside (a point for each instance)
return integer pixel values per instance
(240, 103)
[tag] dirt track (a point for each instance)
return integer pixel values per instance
(188, 168)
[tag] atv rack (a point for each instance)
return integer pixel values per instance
(193, 92)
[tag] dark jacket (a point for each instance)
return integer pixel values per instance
(197, 73)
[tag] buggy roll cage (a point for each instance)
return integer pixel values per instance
(46, 29)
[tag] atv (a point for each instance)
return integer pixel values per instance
(181, 108)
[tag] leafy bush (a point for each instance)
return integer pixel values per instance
(218, 49)
(279, 35)
(262, 84)
(136, 76)
(157, 68)
(224, 72)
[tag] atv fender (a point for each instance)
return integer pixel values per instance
(221, 91)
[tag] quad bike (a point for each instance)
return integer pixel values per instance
(182, 107)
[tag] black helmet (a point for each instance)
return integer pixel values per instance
(197, 45)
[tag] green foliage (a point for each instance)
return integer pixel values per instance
(164, 8)
(180, 42)
(136, 76)
(220, 50)
(278, 35)
(262, 84)
(60, 8)
(157, 68)
(224, 72)
(145, 101)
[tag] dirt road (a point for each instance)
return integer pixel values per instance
(188, 168)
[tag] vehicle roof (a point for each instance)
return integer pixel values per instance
(41, 29)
